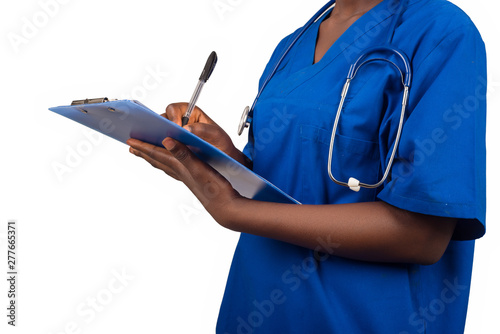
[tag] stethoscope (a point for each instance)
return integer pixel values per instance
(353, 183)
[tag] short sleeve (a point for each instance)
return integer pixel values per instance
(440, 166)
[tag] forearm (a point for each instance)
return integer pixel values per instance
(373, 231)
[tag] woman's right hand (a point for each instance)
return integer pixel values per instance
(204, 127)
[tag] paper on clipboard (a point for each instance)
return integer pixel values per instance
(124, 119)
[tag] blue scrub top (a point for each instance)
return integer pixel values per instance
(276, 287)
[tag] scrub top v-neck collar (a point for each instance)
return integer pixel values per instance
(371, 26)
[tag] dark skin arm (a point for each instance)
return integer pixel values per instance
(373, 231)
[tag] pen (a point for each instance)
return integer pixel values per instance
(207, 71)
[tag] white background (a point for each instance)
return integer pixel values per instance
(110, 212)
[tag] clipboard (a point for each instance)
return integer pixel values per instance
(125, 119)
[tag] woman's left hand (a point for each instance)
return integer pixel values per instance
(211, 188)
(367, 231)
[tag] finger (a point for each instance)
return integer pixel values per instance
(155, 163)
(156, 153)
(150, 149)
(198, 170)
(207, 132)
(202, 117)
(180, 152)
(214, 135)
(206, 183)
(175, 111)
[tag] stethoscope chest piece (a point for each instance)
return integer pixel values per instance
(244, 122)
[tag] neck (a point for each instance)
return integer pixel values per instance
(347, 8)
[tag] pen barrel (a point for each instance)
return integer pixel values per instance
(207, 72)
(194, 98)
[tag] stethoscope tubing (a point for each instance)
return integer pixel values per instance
(363, 59)
(247, 115)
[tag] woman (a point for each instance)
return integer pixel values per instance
(394, 259)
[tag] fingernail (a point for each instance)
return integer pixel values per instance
(188, 128)
(131, 150)
(168, 143)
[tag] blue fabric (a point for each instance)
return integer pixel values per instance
(275, 287)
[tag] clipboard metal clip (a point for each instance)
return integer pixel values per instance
(91, 101)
